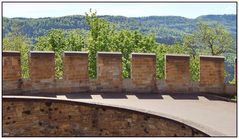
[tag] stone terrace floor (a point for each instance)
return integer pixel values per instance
(211, 114)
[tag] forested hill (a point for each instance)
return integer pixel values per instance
(168, 29)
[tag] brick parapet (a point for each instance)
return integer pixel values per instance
(109, 74)
(11, 65)
(143, 72)
(177, 72)
(212, 70)
(42, 65)
(75, 66)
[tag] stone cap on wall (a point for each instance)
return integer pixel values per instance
(11, 53)
(143, 54)
(75, 53)
(177, 55)
(205, 56)
(41, 53)
(110, 54)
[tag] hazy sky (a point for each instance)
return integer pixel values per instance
(189, 10)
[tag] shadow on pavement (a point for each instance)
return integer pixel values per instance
(34, 95)
(113, 96)
(184, 96)
(217, 98)
(79, 96)
(149, 96)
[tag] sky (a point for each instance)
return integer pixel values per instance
(189, 10)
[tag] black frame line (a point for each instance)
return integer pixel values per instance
(2, 2)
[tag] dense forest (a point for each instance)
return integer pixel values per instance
(167, 29)
(157, 34)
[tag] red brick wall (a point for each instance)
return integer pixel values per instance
(211, 70)
(42, 65)
(75, 66)
(109, 72)
(143, 72)
(42, 117)
(177, 72)
(11, 66)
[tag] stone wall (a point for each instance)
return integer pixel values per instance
(11, 66)
(177, 73)
(143, 72)
(212, 73)
(75, 66)
(42, 66)
(11, 71)
(42, 117)
(109, 74)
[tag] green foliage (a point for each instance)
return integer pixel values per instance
(194, 69)
(104, 37)
(75, 40)
(209, 39)
(168, 29)
(59, 41)
(99, 39)
(232, 81)
(15, 41)
(160, 52)
(128, 42)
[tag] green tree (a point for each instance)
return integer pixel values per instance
(75, 41)
(99, 39)
(103, 36)
(190, 42)
(15, 41)
(214, 39)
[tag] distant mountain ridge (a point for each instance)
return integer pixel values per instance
(168, 29)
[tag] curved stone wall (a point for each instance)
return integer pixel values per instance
(45, 117)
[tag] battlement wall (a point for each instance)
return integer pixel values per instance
(109, 74)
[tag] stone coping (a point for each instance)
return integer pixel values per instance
(206, 130)
(42, 53)
(144, 54)
(109, 53)
(177, 55)
(206, 56)
(75, 53)
(11, 53)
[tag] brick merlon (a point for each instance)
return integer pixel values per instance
(204, 56)
(11, 53)
(75, 53)
(41, 53)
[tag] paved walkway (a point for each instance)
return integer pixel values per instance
(212, 115)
